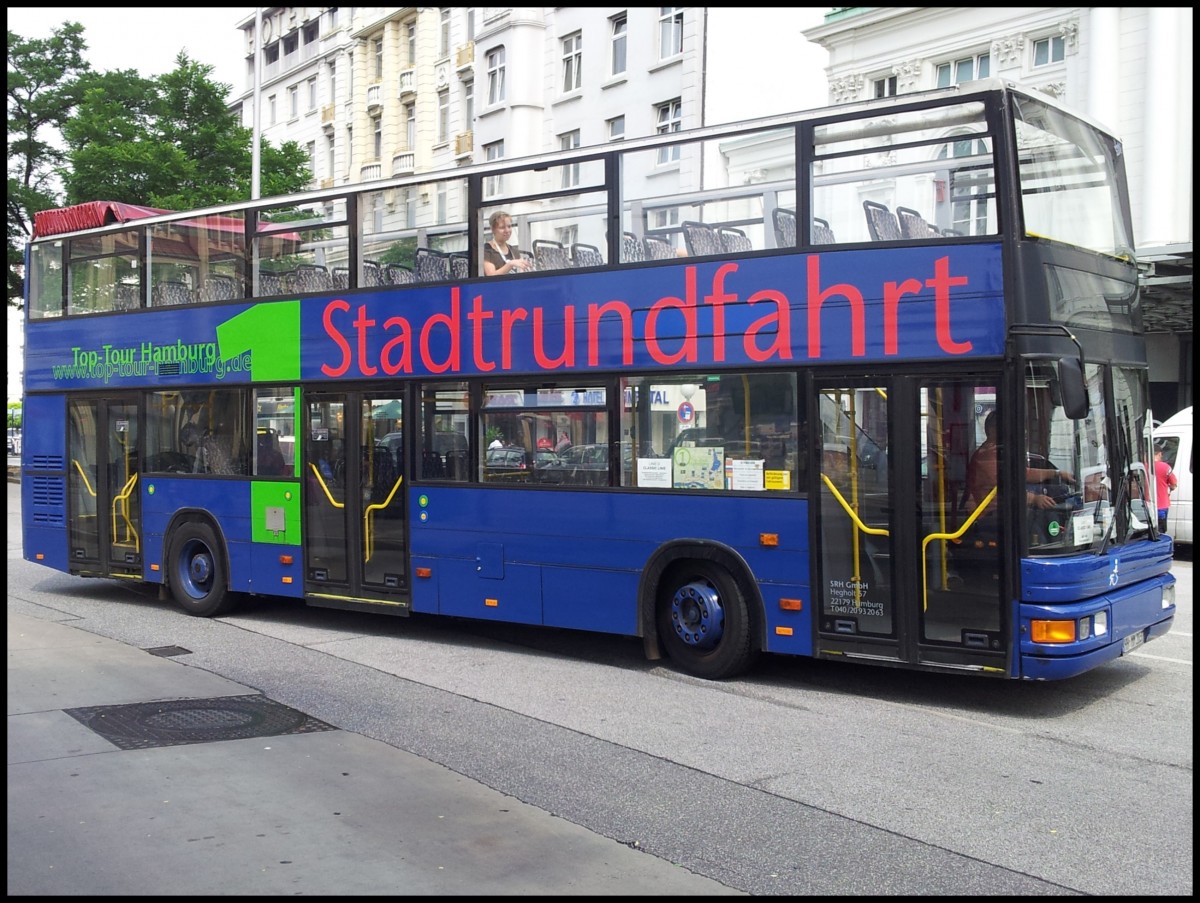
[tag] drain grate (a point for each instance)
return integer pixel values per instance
(148, 725)
(169, 651)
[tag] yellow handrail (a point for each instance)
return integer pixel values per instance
(371, 509)
(324, 488)
(874, 531)
(957, 534)
(86, 482)
(121, 500)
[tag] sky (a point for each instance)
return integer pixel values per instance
(147, 39)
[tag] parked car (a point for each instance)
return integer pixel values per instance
(578, 465)
(14, 441)
(1174, 437)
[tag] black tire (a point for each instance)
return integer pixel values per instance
(196, 570)
(704, 621)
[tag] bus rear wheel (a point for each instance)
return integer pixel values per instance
(704, 621)
(197, 571)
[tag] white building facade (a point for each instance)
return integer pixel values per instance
(373, 92)
(1128, 68)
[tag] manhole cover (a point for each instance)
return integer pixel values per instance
(146, 725)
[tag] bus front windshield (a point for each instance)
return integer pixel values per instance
(1087, 484)
(1071, 187)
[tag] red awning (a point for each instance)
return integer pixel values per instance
(94, 214)
(90, 215)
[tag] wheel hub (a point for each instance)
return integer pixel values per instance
(697, 615)
(200, 569)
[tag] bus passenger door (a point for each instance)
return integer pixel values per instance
(103, 482)
(910, 568)
(355, 520)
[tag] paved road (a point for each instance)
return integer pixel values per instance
(803, 778)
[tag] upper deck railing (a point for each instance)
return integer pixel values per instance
(917, 168)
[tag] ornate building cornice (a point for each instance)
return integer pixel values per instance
(846, 88)
(1007, 51)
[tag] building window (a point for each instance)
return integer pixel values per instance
(572, 62)
(616, 128)
(410, 33)
(493, 185)
(409, 206)
(964, 70)
(329, 157)
(410, 125)
(1049, 50)
(670, 31)
(468, 104)
(332, 17)
(311, 150)
(885, 87)
(443, 121)
(470, 23)
(620, 26)
(495, 75)
(271, 110)
(570, 172)
(669, 118)
(293, 101)
(442, 206)
(377, 47)
(444, 32)
(312, 93)
(332, 83)
(377, 136)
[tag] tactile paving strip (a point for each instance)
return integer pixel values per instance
(147, 725)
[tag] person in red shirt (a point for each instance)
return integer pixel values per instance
(1164, 482)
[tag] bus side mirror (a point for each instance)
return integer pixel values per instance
(1072, 388)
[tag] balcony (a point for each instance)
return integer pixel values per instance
(408, 82)
(404, 163)
(464, 58)
(374, 98)
(464, 144)
(328, 115)
(371, 171)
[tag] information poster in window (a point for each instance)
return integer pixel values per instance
(654, 473)
(746, 475)
(699, 468)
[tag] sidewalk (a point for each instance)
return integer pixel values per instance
(305, 809)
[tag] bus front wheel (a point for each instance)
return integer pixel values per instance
(704, 621)
(197, 571)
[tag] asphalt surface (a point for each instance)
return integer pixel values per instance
(314, 811)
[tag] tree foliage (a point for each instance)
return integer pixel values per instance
(43, 75)
(169, 141)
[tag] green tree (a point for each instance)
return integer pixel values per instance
(168, 142)
(43, 85)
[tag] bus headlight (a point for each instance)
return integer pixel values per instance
(1100, 623)
(1168, 596)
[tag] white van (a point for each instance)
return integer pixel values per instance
(1174, 437)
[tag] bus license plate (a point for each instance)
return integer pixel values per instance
(1132, 641)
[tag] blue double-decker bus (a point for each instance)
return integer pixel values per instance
(866, 383)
